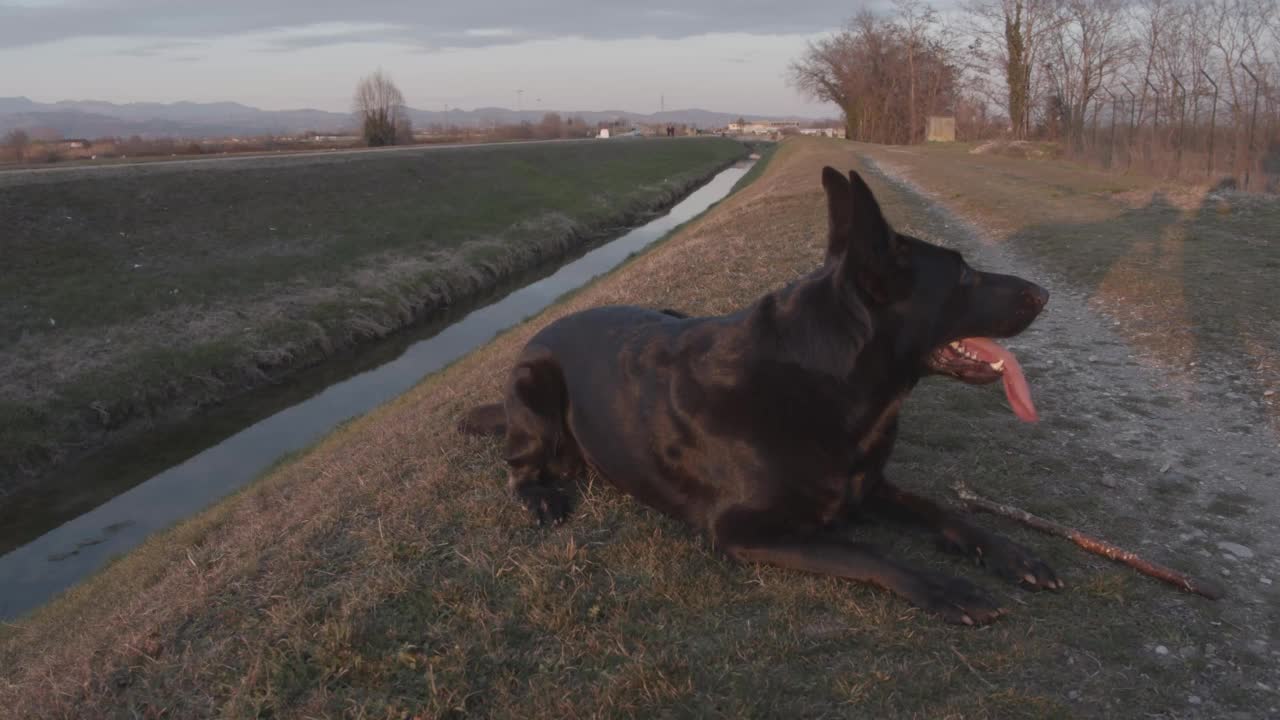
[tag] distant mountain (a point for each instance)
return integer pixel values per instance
(504, 116)
(76, 124)
(93, 118)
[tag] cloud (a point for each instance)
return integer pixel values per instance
(430, 24)
(490, 32)
(155, 48)
(324, 35)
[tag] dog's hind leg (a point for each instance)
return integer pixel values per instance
(1000, 555)
(536, 404)
(954, 599)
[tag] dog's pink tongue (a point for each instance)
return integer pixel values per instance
(1015, 383)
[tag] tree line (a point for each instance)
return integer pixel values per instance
(1174, 86)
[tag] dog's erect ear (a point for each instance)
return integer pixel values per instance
(855, 224)
(861, 241)
(869, 226)
(839, 212)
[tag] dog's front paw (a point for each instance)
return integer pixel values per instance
(546, 504)
(955, 599)
(1014, 562)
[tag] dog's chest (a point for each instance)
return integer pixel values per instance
(879, 426)
(874, 445)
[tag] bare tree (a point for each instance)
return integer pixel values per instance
(916, 19)
(883, 74)
(379, 106)
(1010, 36)
(1088, 50)
(552, 126)
(404, 128)
(1151, 15)
(1187, 80)
(17, 141)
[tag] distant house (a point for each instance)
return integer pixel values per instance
(74, 144)
(604, 133)
(823, 132)
(762, 127)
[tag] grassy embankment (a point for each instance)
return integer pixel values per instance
(130, 295)
(386, 573)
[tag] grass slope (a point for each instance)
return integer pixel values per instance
(386, 573)
(151, 292)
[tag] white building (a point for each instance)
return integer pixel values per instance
(761, 127)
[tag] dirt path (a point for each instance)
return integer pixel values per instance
(1195, 468)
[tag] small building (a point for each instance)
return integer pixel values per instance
(762, 127)
(604, 133)
(938, 128)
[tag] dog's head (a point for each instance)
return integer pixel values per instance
(938, 311)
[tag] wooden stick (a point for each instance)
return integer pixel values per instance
(972, 669)
(974, 501)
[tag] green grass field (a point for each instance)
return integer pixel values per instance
(135, 294)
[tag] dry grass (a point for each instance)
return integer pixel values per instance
(385, 573)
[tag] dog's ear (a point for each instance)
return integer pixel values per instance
(854, 220)
(870, 255)
(839, 213)
(869, 225)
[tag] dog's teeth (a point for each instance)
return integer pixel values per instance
(998, 365)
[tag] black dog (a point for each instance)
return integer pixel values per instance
(766, 428)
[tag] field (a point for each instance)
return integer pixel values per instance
(385, 573)
(132, 295)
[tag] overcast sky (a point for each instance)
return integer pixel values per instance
(564, 54)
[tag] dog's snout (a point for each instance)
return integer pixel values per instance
(1037, 297)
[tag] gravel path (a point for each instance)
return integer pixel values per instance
(1210, 443)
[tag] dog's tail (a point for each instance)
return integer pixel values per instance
(484, 420)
